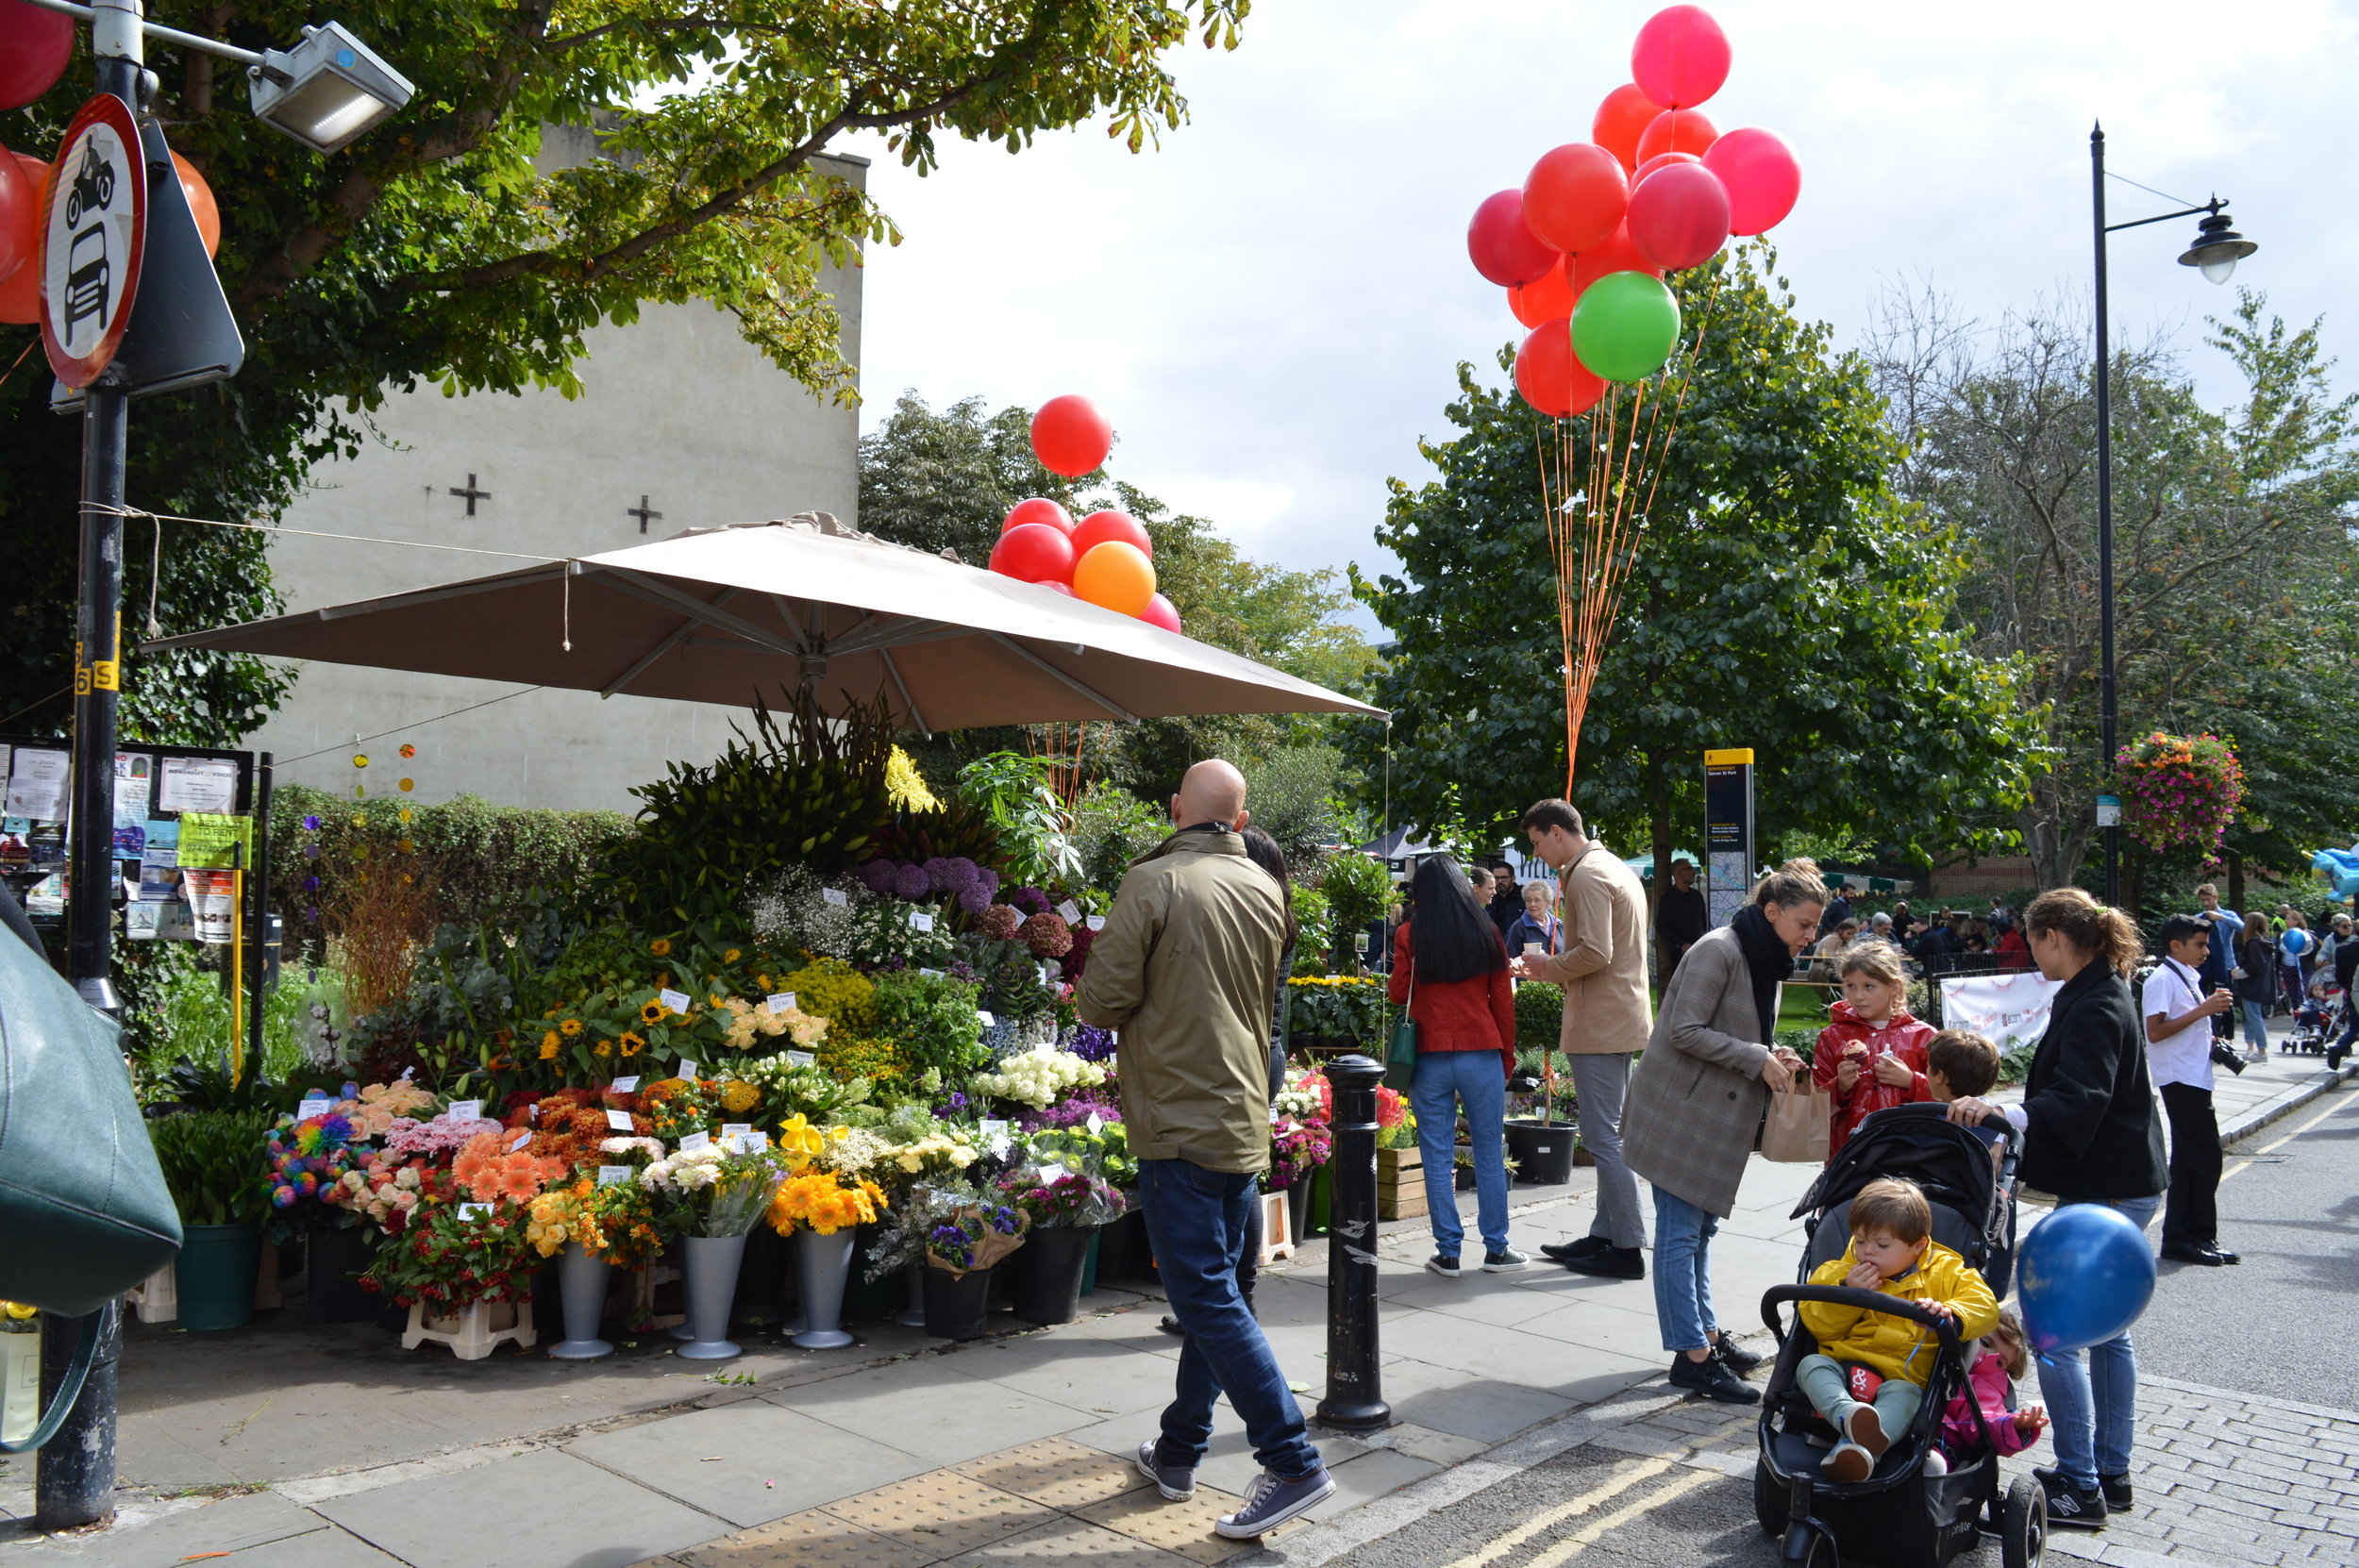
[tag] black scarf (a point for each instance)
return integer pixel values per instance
(1768, 959)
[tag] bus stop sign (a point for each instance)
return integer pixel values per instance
(94, 236)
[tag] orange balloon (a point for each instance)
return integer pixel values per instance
(1116, 577)
(1574, 196)
(1546, 297)
(20, 293)
(1678, 130)
(1622, 119)
(201, 204)
(1617, 255)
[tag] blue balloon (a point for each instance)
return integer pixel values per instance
(2084, 1275)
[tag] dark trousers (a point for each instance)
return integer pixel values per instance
(2192, 1217)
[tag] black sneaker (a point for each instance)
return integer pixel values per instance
(1611, 1264)
(1564, 1252)
(2072, 1505)
(1734, 1356)
(1443, 1263)
(1715, 1381)
(2117, 1494)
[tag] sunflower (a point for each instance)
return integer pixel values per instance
(762, 980)
(632, 1044)
(603, 1048)
(570, 1027)
(548, 1044)
(732, 955)
(651, 1013)
(660, 948)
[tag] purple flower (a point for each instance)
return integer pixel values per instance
(1090, 1043)
(987, 880)
(973, 899)
(311, 825)
(1031, 901)
(954, 1106)
(939, 877)
(877, 876)
(911, 882)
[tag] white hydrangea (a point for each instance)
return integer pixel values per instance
(1299, 1099)
(1037, 1076)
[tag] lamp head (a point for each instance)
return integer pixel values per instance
(328, 89)
(2218, 247)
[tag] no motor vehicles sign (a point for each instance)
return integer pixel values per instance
(94, 234)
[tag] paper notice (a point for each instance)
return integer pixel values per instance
(1098, 922)
(782, 1002)
(466, 1110)
(696, 1143)
(1071, 912)
(834, 895)
(685, 1067)
(198, 784)
(921, 921)
(134, 783)
(801, 1059)
(37, 784)
(211, 895)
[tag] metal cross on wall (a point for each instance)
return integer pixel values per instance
(472, 494)
(639, 512)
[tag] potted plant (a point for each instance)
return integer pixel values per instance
(1541, 1148)
(822, 1207)
(212, 1162)
(1062, 1206)
(592, 1226)
(1298, 1147)
(710, 1195)
(1399, 1163)
(962, 1251)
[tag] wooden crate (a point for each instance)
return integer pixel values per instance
(1399, 1184)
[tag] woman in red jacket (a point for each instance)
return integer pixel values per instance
(1451, 967)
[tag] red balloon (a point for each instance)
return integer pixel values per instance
(20, 216)
(1550, 376)
(1662, 161)
(1681, 217)
(202, 207)
(1677, 130)
(1549, 298)
(1617, 255)
(1764, 181)
(1681, 56)
(1622, 119)
(35, 48)
(1070, 436)
(1046, 513)
(1033, 552)
(1160, 612)
(1575, 195)
(1065, 589)
(1502, 246)
(1102, 527)
(20, 295)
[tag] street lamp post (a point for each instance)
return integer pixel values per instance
(2216, 250)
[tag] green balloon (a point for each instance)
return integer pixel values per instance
(1624, 326)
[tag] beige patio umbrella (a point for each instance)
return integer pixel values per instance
(726, 615)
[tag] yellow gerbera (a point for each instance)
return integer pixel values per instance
(570, 1027)
(732, 955)
(632, 1044)
(660, 948)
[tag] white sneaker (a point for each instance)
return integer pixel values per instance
(1849, 1463)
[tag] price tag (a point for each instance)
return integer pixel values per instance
(1098, 922)
(405, 1074)
(733, 1130)
(921, 921)
(618, 1121)
(782, 1002)
(1095, 1125)
(469, 1211)
(835, 896)
(685, 1067)
(310, 1106)
(676, 1000)
(931, 973)
(624, 1086)
(1051, 1169)
(989, 1021)
(1071, 912)
(752, 1142)
(801, 1059)
(615, 1176)
(467, 1110)
(696, 1143)
(521, 1138)
(532, 1113)
(993, 1129)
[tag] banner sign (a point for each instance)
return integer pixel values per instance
(2009, 1010)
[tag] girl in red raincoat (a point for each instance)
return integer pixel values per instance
(1872, 1056)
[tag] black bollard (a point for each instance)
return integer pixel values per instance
(1355, 1397)
(74, 1479)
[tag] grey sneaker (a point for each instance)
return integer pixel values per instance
(1505, 1260)
(1269, 1502)
(1176, 1485)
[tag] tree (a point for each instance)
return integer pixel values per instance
(2229, 528)
(443, 247)
(1782, 599)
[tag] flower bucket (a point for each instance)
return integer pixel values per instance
(913, 1309)
(1122, 1252)
(1543, 1152)
(823, 1265)
(954, 1304)
(865, 1300)
(582, 1277)
(339, 1255)
(1299, 1209)
(762, 1292)
(216, 1275)
(708, 1266)
(1045, 1283)
(1089, 1262)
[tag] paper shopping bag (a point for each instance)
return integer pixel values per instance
(1801, 1123)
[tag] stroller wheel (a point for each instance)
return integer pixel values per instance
(2023, 1533)
(1769, 1504)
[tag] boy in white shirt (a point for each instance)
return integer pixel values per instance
(2179, 1049)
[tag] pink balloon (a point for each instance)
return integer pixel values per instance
(1764, 181)
(1681, 56)
(1679, 218)
(1159, 611)
(1503, 245)
(1064, 589)
(1660, 160)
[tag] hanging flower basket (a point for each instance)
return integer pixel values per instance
(2180, 790)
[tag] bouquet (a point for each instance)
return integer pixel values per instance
(1037, 1076)
(373, 1111)
(1106, 1152)
(388, 1192)
(825, 1202)
(616, 1222)
(455, 1256)
(975, 1237)
(1306, 1097)
(307, 1160)
(1053, 1197)
(439, 1138)
(677, 1107)
(1296, 1149)
(499, 1167)
(743, 1023)
(802, 1089)
(712, 1191)
(1396, 1123)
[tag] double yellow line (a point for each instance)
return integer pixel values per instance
(1626, 1476)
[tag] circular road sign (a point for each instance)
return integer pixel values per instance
(93, 232)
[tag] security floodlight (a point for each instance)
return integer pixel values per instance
(2218, 248)
(328, 89)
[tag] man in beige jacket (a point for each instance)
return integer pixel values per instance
(1185, 970)
(1607, 1017)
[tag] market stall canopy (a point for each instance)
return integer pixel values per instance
(726, 615)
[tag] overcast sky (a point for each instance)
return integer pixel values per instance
(1270, 307)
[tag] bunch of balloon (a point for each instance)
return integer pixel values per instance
(1106, 558)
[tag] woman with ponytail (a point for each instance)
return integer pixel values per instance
(2090, 1135)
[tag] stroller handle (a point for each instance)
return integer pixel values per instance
(1868, 1301)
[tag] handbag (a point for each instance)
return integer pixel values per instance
(83, 1202)
(1401, 1054)
(1801, 1123)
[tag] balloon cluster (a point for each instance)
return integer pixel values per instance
(1106, 557)
(1582, 248)
(36, 46)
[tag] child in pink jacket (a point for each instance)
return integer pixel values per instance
(1989, 1380)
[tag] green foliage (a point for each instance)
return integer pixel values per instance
(1539, 1016)
(944, 481)
(1012, 989)
(1294, 796)
(1012, 790)
(1336, 1008)
(831, 989)
(1357, 888)
(184, 1019)
(1112, 827)
(1314, 929)
(1802, 1040)
(213, 1163)
(1782, 599)
(958, 830)
(932, 1019)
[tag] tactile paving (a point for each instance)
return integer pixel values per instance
(1070, 1543)
(1056, 1471)
(807, 1540)
(941, 1512)
(1182, 1527)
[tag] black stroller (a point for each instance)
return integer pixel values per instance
(1900, 1516)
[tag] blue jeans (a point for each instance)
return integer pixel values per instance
(2093, 1407)
(1478, 1080)
(1197, 1222)
(2256, 1025)
(1683, 1271)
